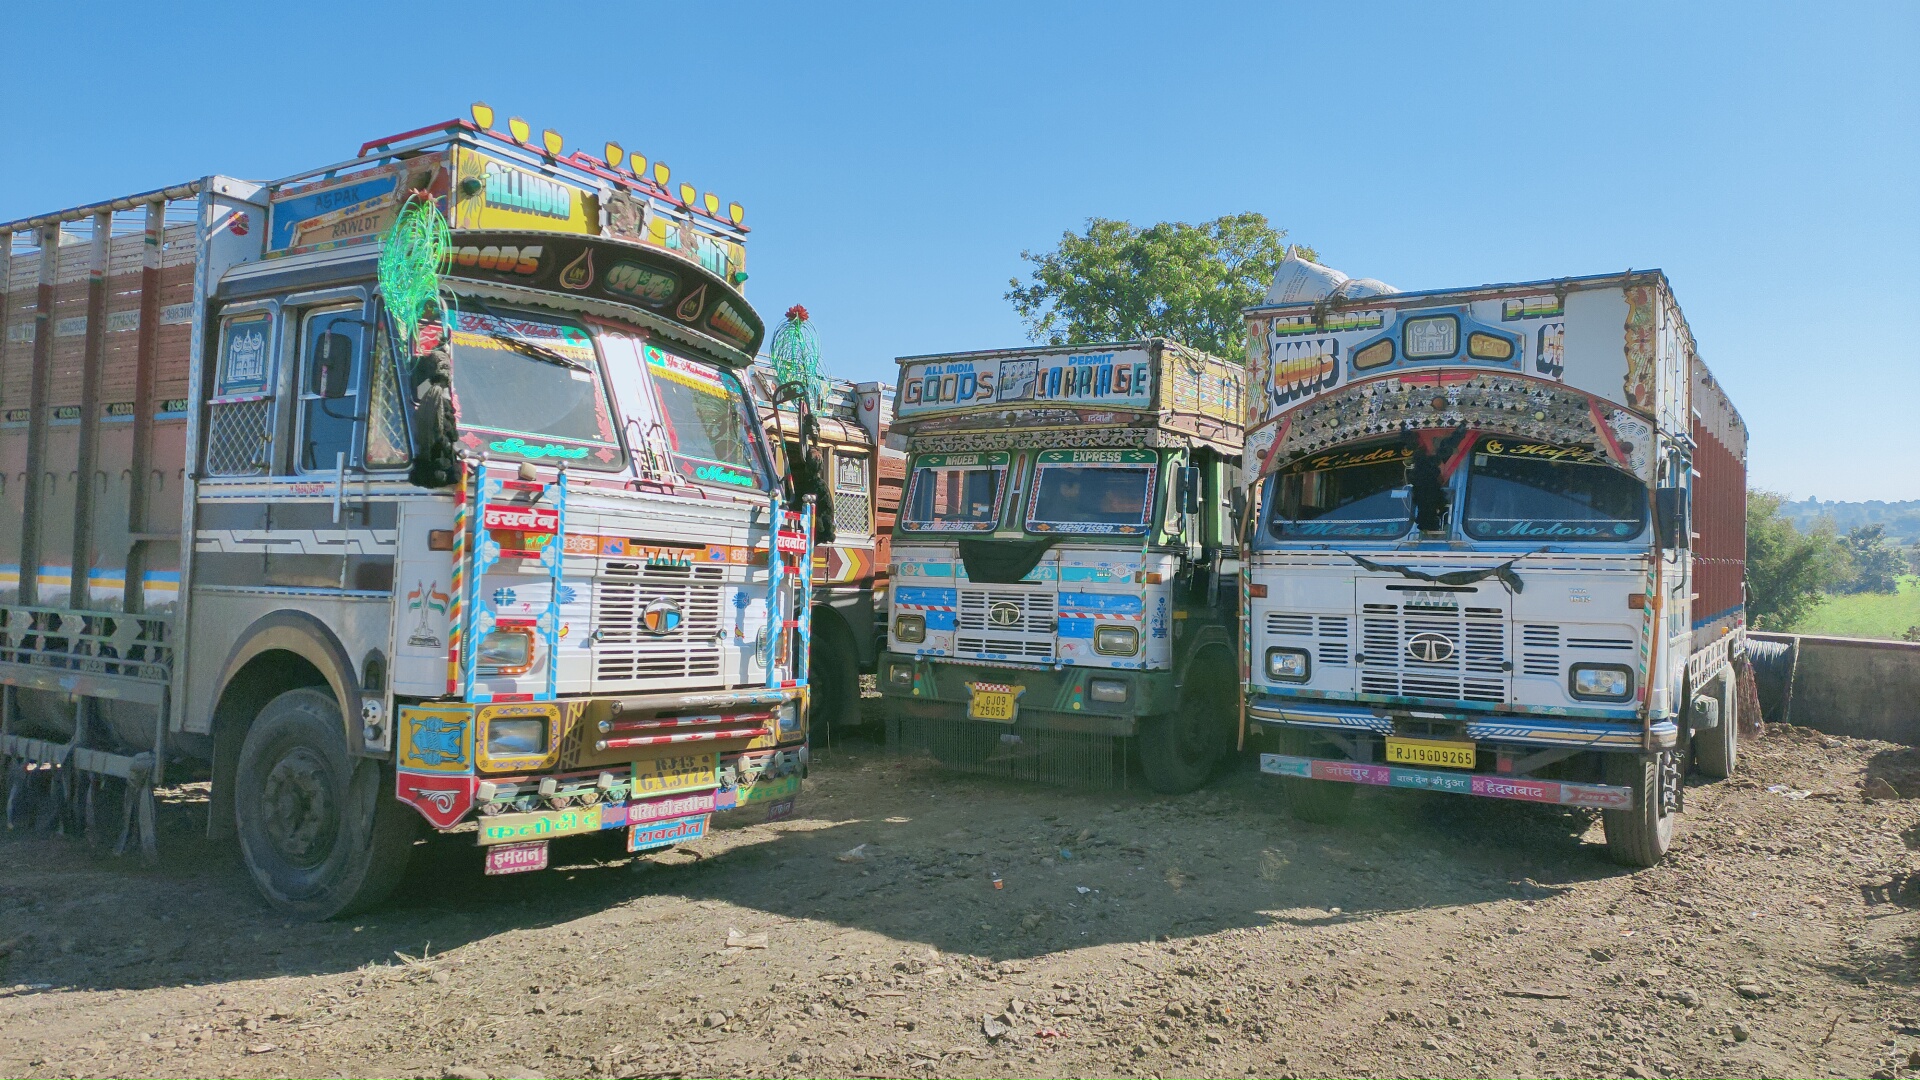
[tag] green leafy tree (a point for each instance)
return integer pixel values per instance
(1788, 572)
(1877, 564)
(1116, 282)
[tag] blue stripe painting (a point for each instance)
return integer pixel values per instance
(1114, 603)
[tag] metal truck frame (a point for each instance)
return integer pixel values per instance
(1033, 631)
(862, 477)
(524, 572)
(1497, 548)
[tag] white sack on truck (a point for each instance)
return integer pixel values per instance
(1301, 281)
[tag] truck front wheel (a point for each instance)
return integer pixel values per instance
(1181, 750)
(833, 670)
(319, 831)
(1641, 834)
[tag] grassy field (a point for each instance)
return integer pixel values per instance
(1867, 615)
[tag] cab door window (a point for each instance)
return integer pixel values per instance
(387, 419)
(852, 506)
(333, 347)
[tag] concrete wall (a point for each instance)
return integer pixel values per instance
(1863, 688)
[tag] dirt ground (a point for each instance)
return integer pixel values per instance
(1130, 935)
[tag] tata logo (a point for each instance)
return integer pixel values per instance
(1430, 648)
(1004, 614)
(660, 618)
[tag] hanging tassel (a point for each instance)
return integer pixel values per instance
(795, 349)
(416, 250)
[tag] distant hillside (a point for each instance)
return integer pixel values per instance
(1902, 519)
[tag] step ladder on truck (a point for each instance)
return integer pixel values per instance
(519, 568)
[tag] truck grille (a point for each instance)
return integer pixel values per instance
(1543, 647)
(1540, 650)
(1331, 634)
(1474, 666)
(1007, 623)
(625, 653)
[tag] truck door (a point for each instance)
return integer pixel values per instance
(333, 347)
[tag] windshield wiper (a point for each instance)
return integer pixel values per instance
(538, 352)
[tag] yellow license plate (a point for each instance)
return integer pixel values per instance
(667, 775)
(1447, 755)
(995, 705)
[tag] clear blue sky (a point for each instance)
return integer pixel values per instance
(895, 159)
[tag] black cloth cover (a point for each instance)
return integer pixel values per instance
(1003, 562)
(436, 461)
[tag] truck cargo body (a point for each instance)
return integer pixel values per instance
(1499, 547)
(860, 479)
(592, 612)
(1059, 560)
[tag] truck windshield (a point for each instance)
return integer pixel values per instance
(529, 386)
(705, 413)
(1092, 491)
(1533, 491)
(1355, 494)
(956, 492)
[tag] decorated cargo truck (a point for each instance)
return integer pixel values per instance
(856, 482)
(421, 489)
(1063, 576)
(1497, 548)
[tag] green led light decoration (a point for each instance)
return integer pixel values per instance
(795, 349)
(416, 248)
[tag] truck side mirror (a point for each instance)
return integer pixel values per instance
(1188, 495)
(1670, 519)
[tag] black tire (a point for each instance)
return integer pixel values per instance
(104, 810)
(833, 672)
(320, 832)
(1640, 834)
(29, 796)
(1718, 748)
(1318, 802)
(1183, 750)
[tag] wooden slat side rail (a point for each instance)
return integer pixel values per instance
(80, 561)
(41, 375)
(133, 593)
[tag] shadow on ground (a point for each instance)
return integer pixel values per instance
(894, 846)
(1898, 768)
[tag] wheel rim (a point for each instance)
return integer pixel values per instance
(297, 810)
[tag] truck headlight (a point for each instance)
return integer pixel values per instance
(1116, 641)
(1601, 682)
(900, 674)
(507, 652)
(1289, 665)
(519, 736)
(910, 628)
(1109, 690)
